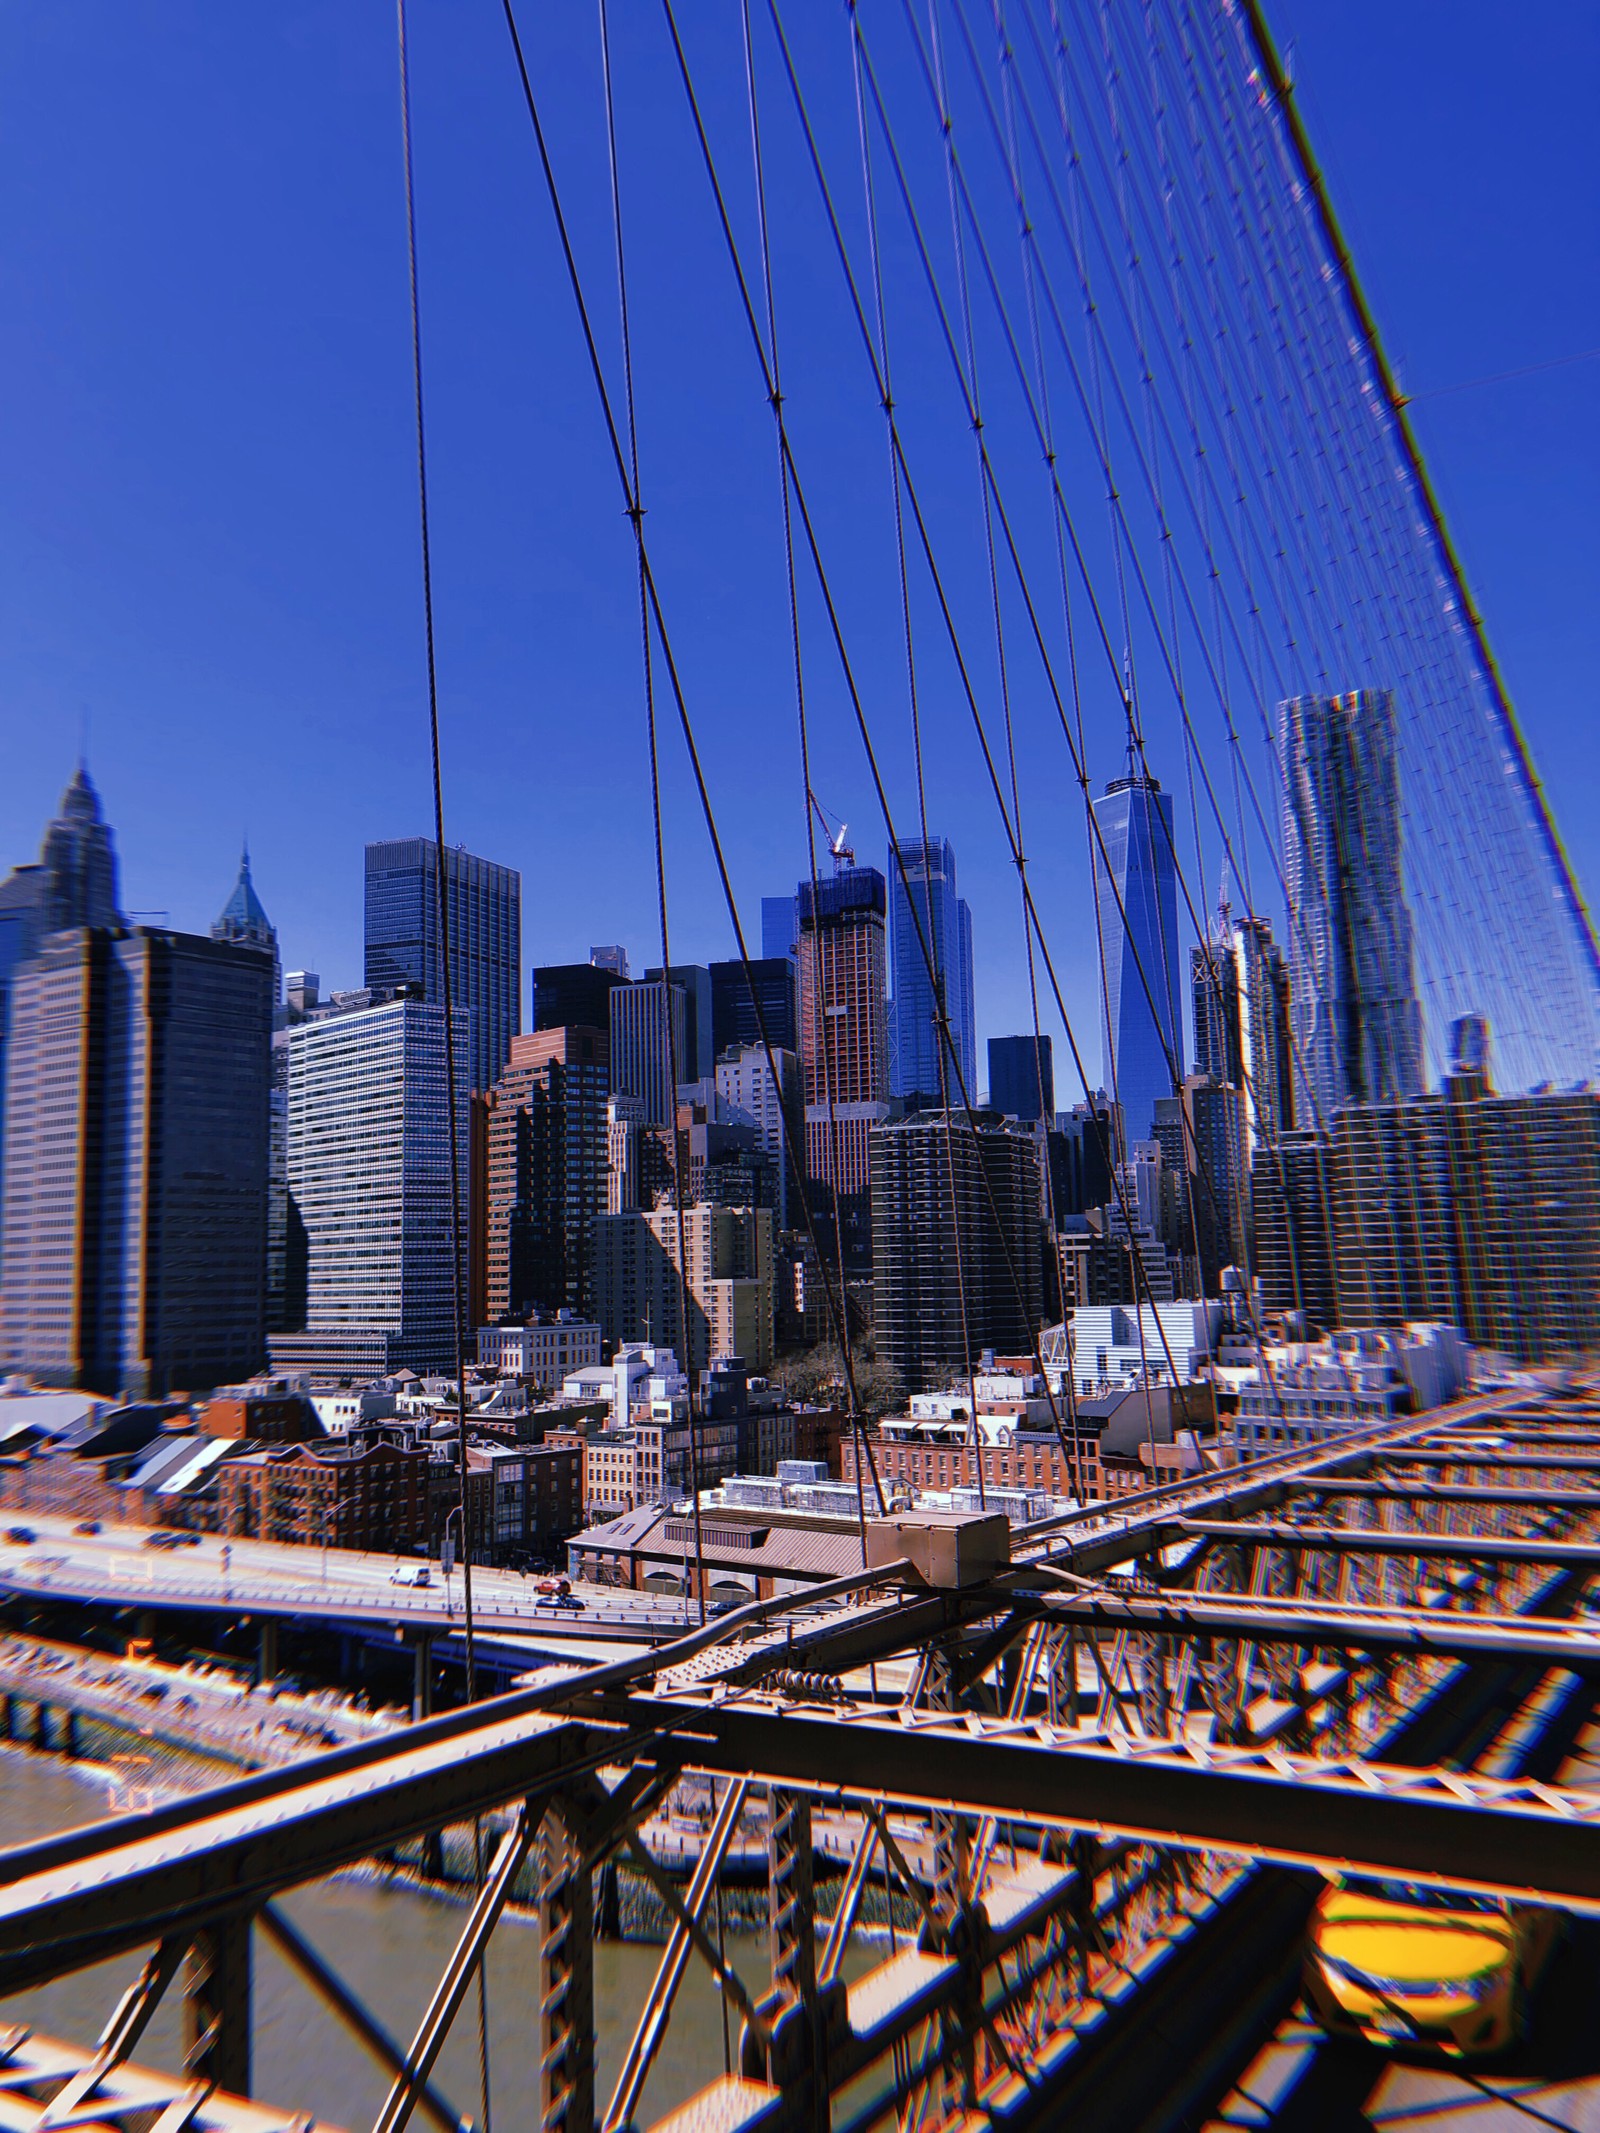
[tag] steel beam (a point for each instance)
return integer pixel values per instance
(1459, 1492)
(118, 1885)
(1416, 1632)
(566, 1975)
(334, 1993)
(1362, 1540)
(216, 2004)
(459, 1971)
(1505, 1838)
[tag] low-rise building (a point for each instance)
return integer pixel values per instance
(1300, 1392)
(372, 1496)
(544, 1348)
(1115, 1346)
(746, 1556)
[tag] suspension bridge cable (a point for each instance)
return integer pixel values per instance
(453, 1112)
(658, 619)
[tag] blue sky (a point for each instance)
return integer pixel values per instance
(207, 503)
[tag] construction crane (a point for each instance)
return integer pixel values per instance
(843, 854)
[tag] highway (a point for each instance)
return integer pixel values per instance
(117, 1567)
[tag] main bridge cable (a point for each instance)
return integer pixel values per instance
(1420, 633)
(453, 1115)
(1282, 101)
(680, 701)
(836, 628)
(636, 520)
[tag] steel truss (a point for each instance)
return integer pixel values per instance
(1080, 1787)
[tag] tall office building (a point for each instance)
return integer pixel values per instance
(370, 1172)
(243, 918)
(73, 883)
(1022, 1081)
(930, 920)
(1142, 999)
(728, 1253)
(780, 927)
(135, 1198)
(545, 1173)
(752, 1097)
(735, 997)
(1480, 1211)
(844, 1039)
(1242, 1028)
(1357, 1021)
(649, 1033)
(698, 1057)
(484, 903)
(917, 1296)
(573, 995)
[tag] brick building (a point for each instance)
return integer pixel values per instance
(372, 1496)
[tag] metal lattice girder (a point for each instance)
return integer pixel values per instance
(1437, 1826)
(1462, 1492)
(217, 2005)
(566, 1977)
(44, 2082)
(1365, 1540)
(76, 1899)
(1417, 1632)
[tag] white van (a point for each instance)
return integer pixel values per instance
(411, 1574)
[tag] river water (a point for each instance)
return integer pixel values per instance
(389, 1943)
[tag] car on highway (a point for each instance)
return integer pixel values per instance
(164, 1537)
(24, 1536)
(569, 1599)
(552, 1588)
(1404, 1964)
(87, 1525)
(411, 1574)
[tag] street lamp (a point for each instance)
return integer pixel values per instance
(447, 1553)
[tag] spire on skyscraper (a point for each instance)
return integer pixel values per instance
(79, 860)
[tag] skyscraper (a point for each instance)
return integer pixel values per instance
(649, 1034)
(942, 928)
(780, 926)
(1019, 1069)
(1142, 1000)
(370, 1172)
(403, 946)
(735, 996)
(1357, 1021)
(573, 995)
(74, 883)
(1242, 1031)
(844, 1038)
(243, 919)
(697, 1057)
(546, 1173)
(745, 1084)
(135, 1199)
(917, 1298)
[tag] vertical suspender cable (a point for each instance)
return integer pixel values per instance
(457, 1252)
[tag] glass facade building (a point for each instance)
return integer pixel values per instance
(943, 924)
(135, 1202)
(485, 912)
(1142, 999)
(369, 1172)
(1020, 1068)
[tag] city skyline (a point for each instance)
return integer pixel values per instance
(190, 642)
